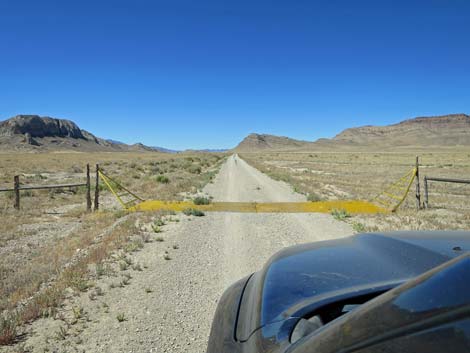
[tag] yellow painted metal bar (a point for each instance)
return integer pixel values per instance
(407, 180)
(120, 186)
(384, 203)
(106, 181)
(407, 190)
(351, 206)
(395, 197)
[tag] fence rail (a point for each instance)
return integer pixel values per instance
(448, 180)
(41, 187)
(17, 188)
(442, 180)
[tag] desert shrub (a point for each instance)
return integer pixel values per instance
(195, 169)
(8, 326)
(135, 245)
(145, 237)
(77, 280)
(340, 215)
(44, 305)
(193, 212)
(156, 225)
(314, 197)
(99, 269)
(162, 179)
(201, 200)
(159, 222)
(76, 169)
(358, 227)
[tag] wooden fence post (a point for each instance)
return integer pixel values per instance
(88, 189)
(16, 182)
(426, 197)
(418, 191)
(97, 188)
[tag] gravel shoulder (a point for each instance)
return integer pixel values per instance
(168, 305)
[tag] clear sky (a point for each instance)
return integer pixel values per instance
(203, 74)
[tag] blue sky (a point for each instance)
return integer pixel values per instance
(203, 74)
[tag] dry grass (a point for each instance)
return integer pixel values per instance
(43, 301)
(363, 175)
(49, 244)
(140, 172)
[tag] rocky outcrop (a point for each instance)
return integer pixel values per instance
(28, 139)
(36, 133)
(37, 126)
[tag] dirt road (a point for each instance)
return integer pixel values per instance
(250, 239)
(168, 307)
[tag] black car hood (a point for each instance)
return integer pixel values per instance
(299, 279)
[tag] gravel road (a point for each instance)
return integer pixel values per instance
(250, 239)
(169, 305)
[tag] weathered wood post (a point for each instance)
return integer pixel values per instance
(16, 186)
(426, 196)
(418, 191)
(88, 189)
(97, 188)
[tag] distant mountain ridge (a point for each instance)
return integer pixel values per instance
(446, 130)
(437, 131)
(33, 132)
(264, 142)
(156, 148)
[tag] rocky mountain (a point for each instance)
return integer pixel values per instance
(263, 142)
(438, 131)
(445, 130)
(32, 132)
(40, 127)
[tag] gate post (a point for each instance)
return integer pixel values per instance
(97, 188)
(16, 182)
(418, 191)
(88, 188)
(426, 196)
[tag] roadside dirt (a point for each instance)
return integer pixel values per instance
(170, 298)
